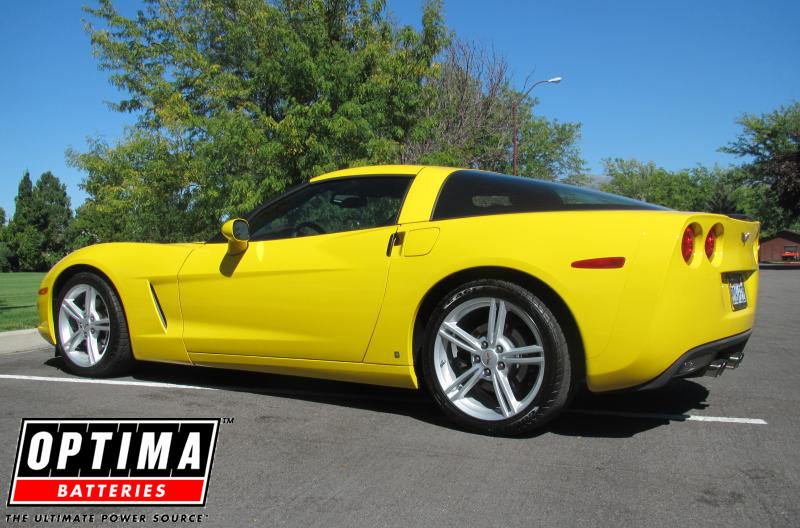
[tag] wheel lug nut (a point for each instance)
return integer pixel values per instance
(486, 372)
(484, 344)
(499, 349)
(476, 359)
(501, 365)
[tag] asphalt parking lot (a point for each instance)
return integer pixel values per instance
(314, 453)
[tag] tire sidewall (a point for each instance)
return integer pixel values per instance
(556, 380)
(115, 355)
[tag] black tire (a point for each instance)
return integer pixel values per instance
(556, 385)
(117, 358)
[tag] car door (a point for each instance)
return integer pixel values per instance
(311, 282)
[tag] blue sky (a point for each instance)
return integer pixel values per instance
(653, 80)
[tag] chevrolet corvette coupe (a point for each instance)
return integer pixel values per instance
(501, 295)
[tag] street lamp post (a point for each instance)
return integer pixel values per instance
(554, 80)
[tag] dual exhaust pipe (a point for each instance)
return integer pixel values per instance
(719, 365)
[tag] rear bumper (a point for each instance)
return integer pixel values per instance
(708, 359)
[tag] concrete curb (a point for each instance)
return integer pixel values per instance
(22, 341)
(779, 265)
(18, 332)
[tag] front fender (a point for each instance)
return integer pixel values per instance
(139, 273)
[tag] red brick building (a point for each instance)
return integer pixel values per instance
(783, 245)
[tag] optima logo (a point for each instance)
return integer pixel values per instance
(113, 462)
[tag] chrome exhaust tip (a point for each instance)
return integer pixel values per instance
(734, 360)
(716, 368)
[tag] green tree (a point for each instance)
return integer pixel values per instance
(51, 218)
(139, 190)
(16, 233)
(772, 141)
(36, 236)
(5, 253)
(237, 100)
(5, 258)
(648, 182)
(758, 201)
(549, 150)
(23, 203)
(630, 178)
(715, 190)
(719, 190)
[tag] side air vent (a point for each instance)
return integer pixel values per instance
(158, 307)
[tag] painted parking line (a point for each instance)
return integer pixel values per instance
(671, 417)
(105, 382)
(254, 389)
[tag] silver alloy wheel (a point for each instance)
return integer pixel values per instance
(488, 358)
(83, 325)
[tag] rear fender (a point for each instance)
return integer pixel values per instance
(670, 306)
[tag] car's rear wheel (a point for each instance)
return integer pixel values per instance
(496, 359)
(91, 330)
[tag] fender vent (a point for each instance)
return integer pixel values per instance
(158, 306)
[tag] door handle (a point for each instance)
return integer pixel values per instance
(395, 239)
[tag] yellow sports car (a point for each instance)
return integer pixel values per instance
(501, 295)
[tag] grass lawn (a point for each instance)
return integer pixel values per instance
(18, 300)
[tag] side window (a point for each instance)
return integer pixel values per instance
(472, 193)
(332, 206)
(477, 193)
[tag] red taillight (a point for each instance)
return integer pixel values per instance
(711, 243)
(687, 244)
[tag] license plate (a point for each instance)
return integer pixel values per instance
(738, 293)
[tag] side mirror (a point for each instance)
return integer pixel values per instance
(237, 233)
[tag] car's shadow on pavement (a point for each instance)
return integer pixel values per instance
(616, 415)
(619, 415)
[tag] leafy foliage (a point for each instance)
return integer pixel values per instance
(238, 100)
(772, 141)
(20, 231)
(37, 235)
(140, 190)
(5, 257)
(646, 181)
(714, 190)
(549, 150)
(5, 253)
(51, 218)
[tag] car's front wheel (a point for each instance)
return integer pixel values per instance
(91, 331)
(496, 359)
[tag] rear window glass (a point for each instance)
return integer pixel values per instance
(478, 193)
